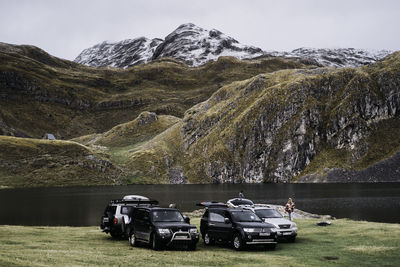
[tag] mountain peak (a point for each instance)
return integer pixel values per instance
(195, 46)
(189, 43)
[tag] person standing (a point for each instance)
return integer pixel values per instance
(289, 208)
(241, 195)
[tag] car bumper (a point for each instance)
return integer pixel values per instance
(287, 233)
(178, 238)
(257, 239)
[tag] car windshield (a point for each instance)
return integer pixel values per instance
(268, 213)
(245, 216)
(167, 216)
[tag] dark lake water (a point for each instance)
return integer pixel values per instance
(82, 206)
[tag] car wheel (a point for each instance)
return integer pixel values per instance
(154, 243)
(207, 239)
(237, 242)
(114, 234)
(132, 240)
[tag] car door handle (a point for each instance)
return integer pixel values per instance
(211, 224)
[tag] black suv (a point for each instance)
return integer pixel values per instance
(237, 226)
(117, 214)
(162, 227)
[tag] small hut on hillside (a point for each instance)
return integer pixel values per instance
(49, 136)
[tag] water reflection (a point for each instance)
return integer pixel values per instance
(83, 205)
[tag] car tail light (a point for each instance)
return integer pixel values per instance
(115, 220)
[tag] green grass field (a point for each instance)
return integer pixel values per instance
(344, 243)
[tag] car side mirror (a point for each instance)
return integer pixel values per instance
(227, 221)
(187, 219)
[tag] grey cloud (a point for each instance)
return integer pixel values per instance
(65, 28)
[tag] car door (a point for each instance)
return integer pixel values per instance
(147, 228)
(216, 224)
(139, 224)
(225, 227)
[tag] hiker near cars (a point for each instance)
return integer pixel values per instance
(289, 208)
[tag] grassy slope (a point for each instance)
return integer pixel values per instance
(344, 243)
(40, 93)
(228, 117)
(26, 162)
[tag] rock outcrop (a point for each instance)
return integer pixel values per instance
(277, 127)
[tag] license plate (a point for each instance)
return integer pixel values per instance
(264, 234)
(181, 238)
(105, 220)
(287, 233)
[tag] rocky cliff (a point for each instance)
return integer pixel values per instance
(281, 126)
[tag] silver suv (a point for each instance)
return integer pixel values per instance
(286, 229)
(116, 215)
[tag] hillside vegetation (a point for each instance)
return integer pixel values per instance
(42, 94)
(26, 162)
(273, 126)
(263, 120)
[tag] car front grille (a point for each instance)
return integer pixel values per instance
(284, 226)
(180, 229)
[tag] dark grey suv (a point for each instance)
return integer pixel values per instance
(162, 227)
(238, 227)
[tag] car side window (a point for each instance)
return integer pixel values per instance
(125, 209)
(146, 216)
(215, 217)
(110, 210)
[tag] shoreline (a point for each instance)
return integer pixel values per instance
(297, 214)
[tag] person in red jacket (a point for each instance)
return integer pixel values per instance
(289, 208)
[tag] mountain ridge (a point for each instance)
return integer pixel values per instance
(195, 46)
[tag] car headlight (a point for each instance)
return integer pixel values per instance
(193, 231)
(163, 231)
(249, 230)
(274, 230)
(295, 229)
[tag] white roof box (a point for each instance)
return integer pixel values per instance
(135, 198)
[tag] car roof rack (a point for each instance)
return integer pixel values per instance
(138, 202)
(212, 204)
(262, 205)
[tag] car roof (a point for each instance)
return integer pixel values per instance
(258, 208)
(227, 209)
(155, 208)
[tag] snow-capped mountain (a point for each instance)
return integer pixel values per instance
(196, 46)
(121, 54)
(189, 43)
(340, 57)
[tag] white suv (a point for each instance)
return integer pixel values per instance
(286, 229)
(118, 214)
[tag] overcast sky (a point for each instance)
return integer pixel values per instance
(65, 28)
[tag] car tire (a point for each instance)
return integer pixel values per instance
(132, 240)
(207, 239)
(237, 242)
(155, 245)
(114, 234)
